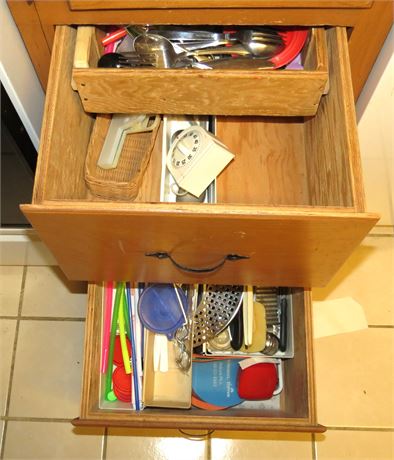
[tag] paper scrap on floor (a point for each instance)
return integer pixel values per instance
(337, 316)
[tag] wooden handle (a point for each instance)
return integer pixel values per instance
(166, 255)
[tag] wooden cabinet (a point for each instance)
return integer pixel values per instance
(293, 208)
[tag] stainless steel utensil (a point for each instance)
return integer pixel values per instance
(239, 63)
(118, 60)
(271, 345)
(252, 48)
(217, 308)
(164, 50)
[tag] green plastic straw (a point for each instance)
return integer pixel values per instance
(108, 378)
(126, 315)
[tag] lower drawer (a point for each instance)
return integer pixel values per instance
(296, 411)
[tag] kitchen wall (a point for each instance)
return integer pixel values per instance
(18, 76)
(375, 115)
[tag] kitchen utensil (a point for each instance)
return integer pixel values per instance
(252, 48)
(247, 307)
(271, 345)
(217, 308)
(115, 314)
(241, 63)
(160, 353)
(250, 38)
(181, 338)
(221, 341)
(259, 330)
(283, 324)
(113, 143)
(135, 363)
(114, 36)
(122, 336)
(108, 290)
(236, 331)
(165, 51)
(190, 36)
(120, 60)
(183, 353)
(196, 158)
(187, 35)
(118, 357)
(159, 309)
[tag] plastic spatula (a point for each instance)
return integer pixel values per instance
(120, 125)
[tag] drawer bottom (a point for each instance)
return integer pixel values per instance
(296, 410)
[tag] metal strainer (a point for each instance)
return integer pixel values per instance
(218, 306)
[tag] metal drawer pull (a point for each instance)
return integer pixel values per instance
(166, 255)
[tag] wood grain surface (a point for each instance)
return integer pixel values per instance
(129, 4)
(210, 92)
(269, 165)
(65, 129)
(100, 241)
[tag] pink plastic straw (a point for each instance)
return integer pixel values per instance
(106, 326)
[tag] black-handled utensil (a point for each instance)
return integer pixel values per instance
(237, 331)
(283, 324)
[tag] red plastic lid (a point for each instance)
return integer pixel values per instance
(121, 380)
(118, 358)
(258, 381)
(125, 397)
(294, 41)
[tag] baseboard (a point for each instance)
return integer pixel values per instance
(23, 247)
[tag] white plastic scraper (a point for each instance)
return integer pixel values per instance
(120, 126)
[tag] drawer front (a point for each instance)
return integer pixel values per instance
(297, 411)
(287, 248)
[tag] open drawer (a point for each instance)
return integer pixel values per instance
(293, 208)
(296, 406)
(213, 92)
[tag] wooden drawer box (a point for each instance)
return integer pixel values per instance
(212, 92)
(291, 203)
(297, 410)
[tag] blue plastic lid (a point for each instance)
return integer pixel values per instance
(159, 309)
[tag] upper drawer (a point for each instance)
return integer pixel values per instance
(213, 92)
(292, 201)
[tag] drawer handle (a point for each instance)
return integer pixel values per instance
(166, 255)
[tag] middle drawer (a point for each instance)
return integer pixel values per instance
(291, 204)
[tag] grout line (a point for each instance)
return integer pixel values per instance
(384, 326)
(104, 445)
(43, 318)
(314, 447)
(11, 377)
(208, 447)
(358, 428)
(380, 235)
